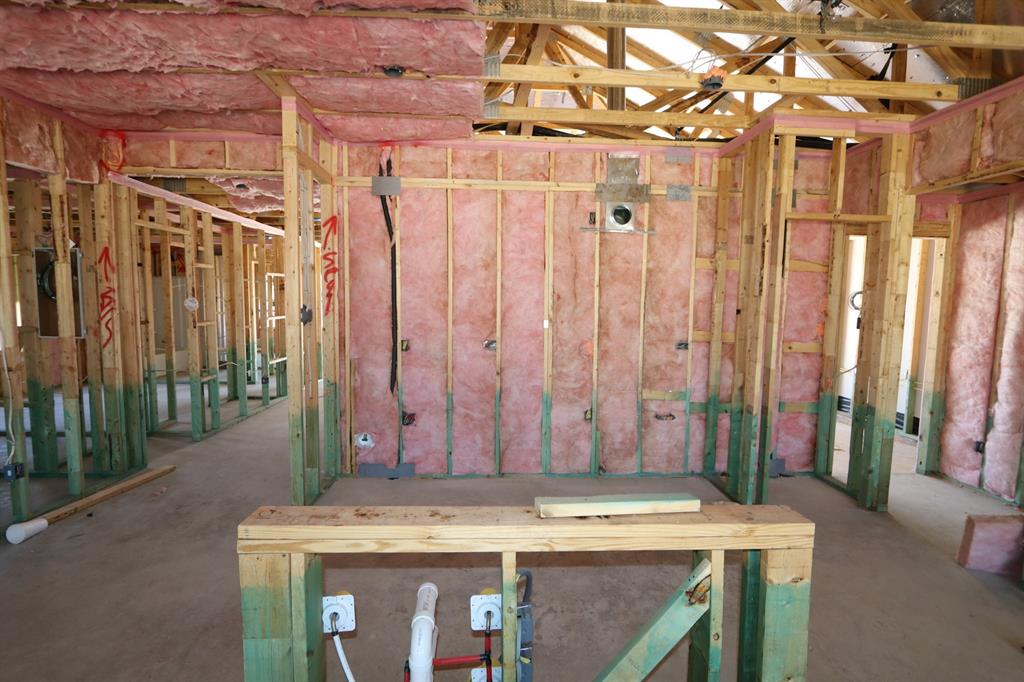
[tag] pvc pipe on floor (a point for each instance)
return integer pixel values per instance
(423, 641)
(19, 532)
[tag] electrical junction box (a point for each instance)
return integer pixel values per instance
(344, 607)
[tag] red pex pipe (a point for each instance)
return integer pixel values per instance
(457, 661)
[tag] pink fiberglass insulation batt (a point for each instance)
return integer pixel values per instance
(424, 308)
(940, 151)
(423, 323)
(82, 152)
(862, 177)
(474, 323)
(130, 41)
(1004, 138)
(573, 324)
(376, 408)
(395, 128)
(522, 329)
(994, 544)
(621, 262)
(1003, 447)
(666, 319)
(972, 336)
(303, 7)
(28, 138)
(391, 95)
(253, 195)
(135, 93)
(262, 123)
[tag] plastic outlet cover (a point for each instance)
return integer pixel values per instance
(344, 605)
(479, 606)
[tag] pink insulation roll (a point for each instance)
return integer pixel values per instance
(664, 435)
(474, 293)
(302, 7)
(1004, 131)
(424, 305)
(862, 177)
(123, 92)
(376, 407)
(573, 324)
(666, 318)
(972, 331)
(795, 440)
(522, 322)
(199, 154)
(994, 544)
(82, 153)
(621, 266)
(253, 195)
(132, 41)
(481, 164)
(1003, 446)
(390, 95)
(28, 138)
(695, 446)
(940, 150)
(395, 128)
(253, 155)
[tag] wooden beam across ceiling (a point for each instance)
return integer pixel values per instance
(602, 117)
(629, 15)
(780, 85)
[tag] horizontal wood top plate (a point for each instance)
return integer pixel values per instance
(327, 530)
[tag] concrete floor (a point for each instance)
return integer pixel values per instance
(145, 586)
(46, 492)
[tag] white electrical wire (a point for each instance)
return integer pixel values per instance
(344, 661)
(15, 409)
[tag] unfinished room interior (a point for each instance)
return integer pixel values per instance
(512, 340)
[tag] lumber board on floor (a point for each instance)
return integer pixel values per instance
(107, 493)
(615, 505)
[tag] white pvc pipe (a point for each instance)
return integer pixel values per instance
(19, 532)
(424, 635)
(344, 661)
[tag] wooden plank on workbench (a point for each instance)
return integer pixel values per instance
(613, 505)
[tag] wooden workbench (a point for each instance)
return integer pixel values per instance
(282, 576)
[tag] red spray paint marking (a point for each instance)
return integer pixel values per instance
(329, 260)
(108, 297)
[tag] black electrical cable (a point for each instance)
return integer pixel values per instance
(394, 281)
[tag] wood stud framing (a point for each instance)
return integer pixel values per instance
(281, 575)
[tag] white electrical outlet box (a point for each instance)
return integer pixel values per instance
(344, 606)
(480, 674)
(479, 606)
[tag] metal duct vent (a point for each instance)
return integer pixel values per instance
(174, 185)
(969, 87)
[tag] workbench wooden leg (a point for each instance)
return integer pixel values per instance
(281, 604)
(705, 658)
(509, 613)
(266, 617)
(784, 612)
(750, 590)
(307, 589)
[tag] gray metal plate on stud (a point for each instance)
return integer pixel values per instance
(623, 169)
(678, 192)
(386, 185)
(623, 192)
